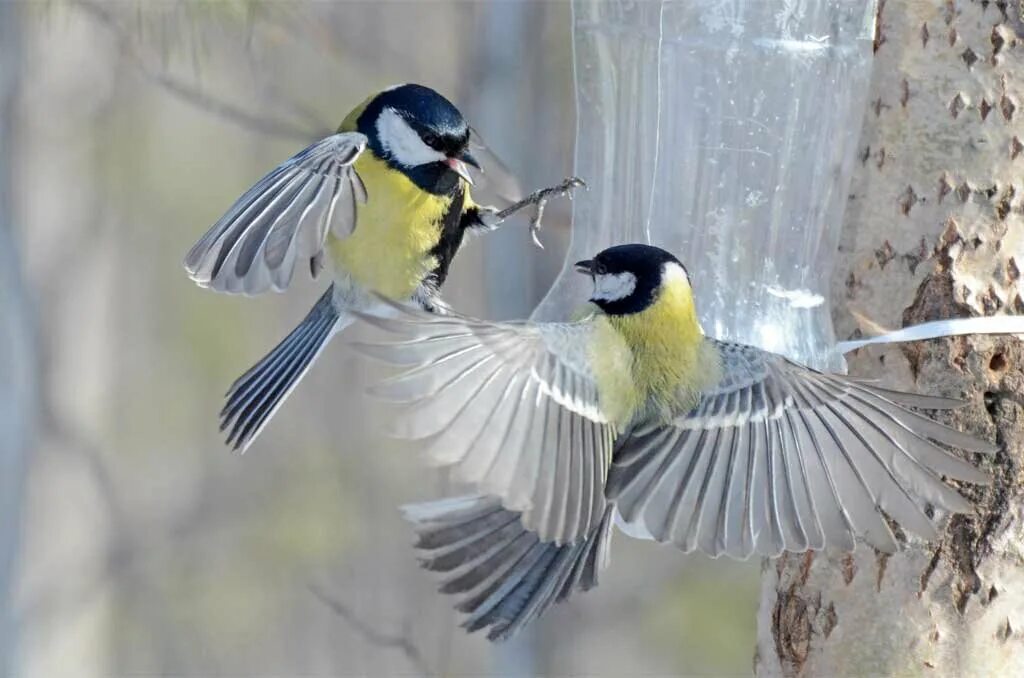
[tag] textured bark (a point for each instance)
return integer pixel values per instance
(934, 229)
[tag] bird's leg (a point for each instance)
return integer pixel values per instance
(539, 200)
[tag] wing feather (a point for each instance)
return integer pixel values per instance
(485, 449)
(836, 522)
(285, 215)
(704, 521)
(778, 457)
(522, 467)
(806, 507)
(733, 525)
(786, 494)
(894, 485)
(511, 407)
(849, 484)
(776, 502)
(494, 182)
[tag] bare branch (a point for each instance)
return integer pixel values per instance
(374, 636)
(188, 92)
(539, 199)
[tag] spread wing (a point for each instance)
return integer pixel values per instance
(512, 407)
(284, 217)
(782, 458)
(494, 183)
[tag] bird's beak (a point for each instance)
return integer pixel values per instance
(459, 167)
(468, 158)
(586, 266)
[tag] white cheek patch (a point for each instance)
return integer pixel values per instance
(672, 272)
(613, 287)
(402, 141)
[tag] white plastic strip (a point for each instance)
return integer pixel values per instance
(937, 329)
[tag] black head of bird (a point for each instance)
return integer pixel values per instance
(418, 132)
(627, 278)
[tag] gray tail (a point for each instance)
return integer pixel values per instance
(256, 395)
(502, 575)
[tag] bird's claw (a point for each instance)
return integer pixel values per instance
(535, 224)
(540, 199)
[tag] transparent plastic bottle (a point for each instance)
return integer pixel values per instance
(724, 131)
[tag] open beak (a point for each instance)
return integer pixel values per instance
(459, 166)
(586, 266)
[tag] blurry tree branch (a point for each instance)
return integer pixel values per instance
(374, 636)
(188, 92)
(18, 358)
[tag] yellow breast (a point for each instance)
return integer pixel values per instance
(389, 251)
(612, 363)
(656, 361)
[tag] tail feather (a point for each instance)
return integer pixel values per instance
(503, 576)
(255, 396)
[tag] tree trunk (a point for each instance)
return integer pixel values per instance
(934, 229)
(17, 357)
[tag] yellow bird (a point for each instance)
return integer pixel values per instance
(632, 415)
(385, 202)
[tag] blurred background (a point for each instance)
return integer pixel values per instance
(134, 542)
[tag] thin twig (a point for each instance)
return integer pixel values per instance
(188, 92)
(374, 636)
(540, 199)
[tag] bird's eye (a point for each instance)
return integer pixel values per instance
(600, 269)
(429, 139)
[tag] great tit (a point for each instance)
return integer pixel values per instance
(633, 415)
(385, 202)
